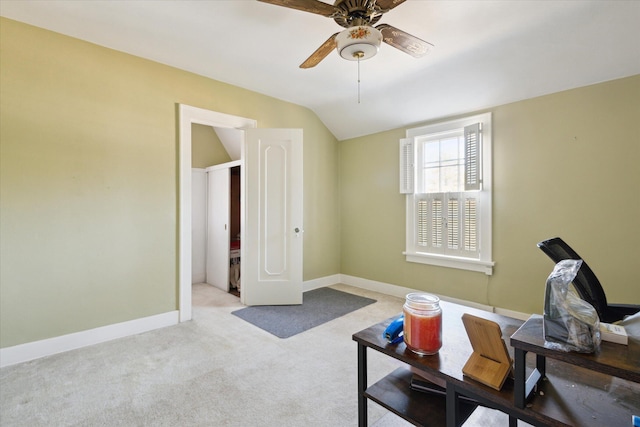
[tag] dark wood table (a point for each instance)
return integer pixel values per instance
(569, 395)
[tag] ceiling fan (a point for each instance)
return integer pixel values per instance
(360, 40)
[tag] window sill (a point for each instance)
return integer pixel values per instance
(485, 267)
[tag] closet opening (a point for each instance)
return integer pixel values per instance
(216, 207)
(234, 238)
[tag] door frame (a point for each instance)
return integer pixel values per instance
(187, 115)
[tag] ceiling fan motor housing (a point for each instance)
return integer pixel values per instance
(357, 12)
(358, 43)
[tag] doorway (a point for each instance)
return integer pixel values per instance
(189, 115)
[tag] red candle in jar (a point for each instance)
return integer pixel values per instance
(423, 323)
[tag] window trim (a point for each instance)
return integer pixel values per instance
(484, 263)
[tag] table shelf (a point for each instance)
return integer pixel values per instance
(622, 361)
(395, 394)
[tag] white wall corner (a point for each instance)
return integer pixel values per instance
(48, 347)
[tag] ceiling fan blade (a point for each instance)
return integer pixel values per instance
(320, 53)
(312, 6)
(387, 5)
(404, 41)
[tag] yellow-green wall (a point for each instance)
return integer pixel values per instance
(564, 165)
(206, 147)
(88, 182)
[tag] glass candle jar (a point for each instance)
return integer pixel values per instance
(422, 323)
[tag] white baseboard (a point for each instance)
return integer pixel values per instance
(37, 349)
(401, 292)
(511, 313)
(321, 282)
(372, 285)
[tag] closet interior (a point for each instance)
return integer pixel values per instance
(216, 244)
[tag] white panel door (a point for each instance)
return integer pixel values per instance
(271, 266)
(218, 228)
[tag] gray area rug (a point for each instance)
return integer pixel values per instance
(318, 306)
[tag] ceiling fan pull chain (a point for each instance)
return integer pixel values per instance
(358, 79)
(358, 55)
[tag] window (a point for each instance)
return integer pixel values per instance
(445, 171)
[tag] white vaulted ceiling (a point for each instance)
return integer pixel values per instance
(486, 53)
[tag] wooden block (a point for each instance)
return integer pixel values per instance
(486, 371)
(490, 362)
(613, 333)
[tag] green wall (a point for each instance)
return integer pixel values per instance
(206, 147)
(88, 182)
(563, 165)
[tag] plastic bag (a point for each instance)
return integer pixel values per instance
(570, 323)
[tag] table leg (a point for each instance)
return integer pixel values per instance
(452, 406)
(362, 385)
(523, 387)
(520, 373)
(541, 365)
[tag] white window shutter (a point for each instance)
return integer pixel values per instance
(422, 211)
(437, 222)
(407, 165)
(472, 158)
(453, 223)
(471, 225)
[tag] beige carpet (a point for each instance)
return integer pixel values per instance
(216, 370)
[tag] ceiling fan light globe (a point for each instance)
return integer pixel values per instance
(359, 42)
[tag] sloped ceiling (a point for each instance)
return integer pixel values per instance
(231, 140)
(486, 53)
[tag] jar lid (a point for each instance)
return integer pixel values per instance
(423, 301)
